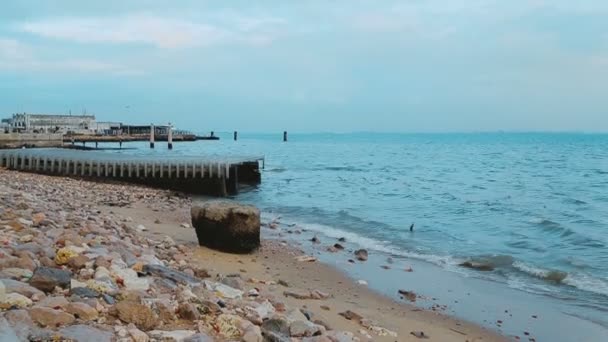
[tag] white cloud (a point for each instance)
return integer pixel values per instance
(155, 30)
(17, 56)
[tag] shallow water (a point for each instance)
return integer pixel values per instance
(533, 206)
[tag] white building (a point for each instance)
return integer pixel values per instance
(46, 123)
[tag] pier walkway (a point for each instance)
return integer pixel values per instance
(207, 175)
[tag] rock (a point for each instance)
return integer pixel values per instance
(25, 222)
(26, 238)
(15, 300)
(227, 226)
(6, 331)
(234, 282)
(21, 324)
(49, 317)
(185, 225)
(361, 254)
(342, 239)
(252, 335)
(303, 294)
(85, 333)
(57, 302)
(141, 228)
(419, 334)
(82, 311)
(63, 255)
(129, 279)
(21, 288)
(200, 337)
(77, 262)
(306, 258)
(84, 292)
(136, 334)
(168, 273)
(166, 310)
(477, 266)
(132, 312)
(222, 290)
(351, 316)
(188, 311)
(46, 279)
(338, 246)
(302, 329)
(228, 326)
(283, 283)
(315, 239)
(38, 218)
(342, 336)
(210, 307)
(16, 273)
(278, 326)
(172, 336)
(409, 295)
(2, 291)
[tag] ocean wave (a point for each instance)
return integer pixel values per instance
(371, 243)
(580, 281)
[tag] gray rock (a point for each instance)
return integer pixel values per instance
(227, 226)
(275, 325)
(46, 278)
(84, 292)
(7, 333)
(20, 288)
(199, 338)
(361, 254)
(85, 333)
(171, 274)
(234, 282)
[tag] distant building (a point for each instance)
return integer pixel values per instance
(5, 126)
(47, 123)
(108, 128)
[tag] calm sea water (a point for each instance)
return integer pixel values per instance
(534, 206)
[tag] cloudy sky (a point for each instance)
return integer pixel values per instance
(407, 65)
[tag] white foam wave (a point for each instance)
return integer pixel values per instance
(581, 281)
(588, 283)
(371, 243)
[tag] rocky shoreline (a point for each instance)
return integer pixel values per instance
(72, 269)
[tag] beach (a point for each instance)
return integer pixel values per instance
(98, 218)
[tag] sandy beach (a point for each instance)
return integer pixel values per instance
(276, 260)
(46, 216)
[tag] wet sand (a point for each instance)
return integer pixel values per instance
(276, 261)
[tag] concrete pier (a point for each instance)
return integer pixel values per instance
(151, 136)
(206, 175)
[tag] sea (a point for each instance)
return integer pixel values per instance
(532, 207)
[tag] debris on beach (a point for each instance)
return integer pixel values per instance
(419, 334)
(361, 254)
(409, 295)
(306, 258)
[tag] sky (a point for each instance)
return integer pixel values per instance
(311, 66)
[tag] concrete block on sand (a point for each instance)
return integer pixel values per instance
(227, 226)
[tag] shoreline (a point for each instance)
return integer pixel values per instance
(448, 307)
(128, 262)
(277, 260)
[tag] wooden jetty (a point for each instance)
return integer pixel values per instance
(205, 175)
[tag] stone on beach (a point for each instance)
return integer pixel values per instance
(50, 317)
(227, 226)
(82, 333)
(142, 316)
(46, 278)
(25, 289)
(361, 254)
